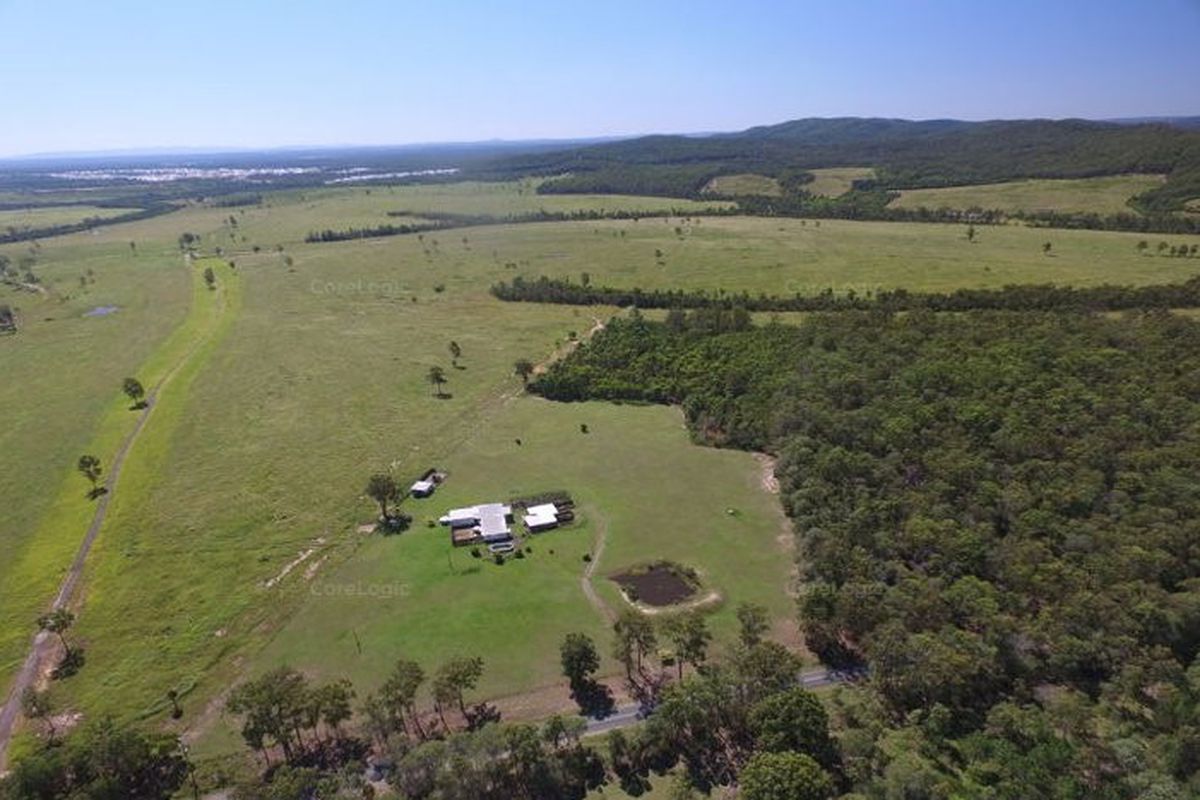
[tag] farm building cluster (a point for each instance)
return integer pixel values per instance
(492, 523)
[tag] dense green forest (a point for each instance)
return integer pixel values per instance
(1019, 297)
(997, 512)
(905, 154)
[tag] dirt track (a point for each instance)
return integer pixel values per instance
(43, 646)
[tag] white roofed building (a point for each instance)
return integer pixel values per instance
(541, 517)
(489, 520)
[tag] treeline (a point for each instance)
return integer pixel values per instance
(873, 204)
(994, 514)
(544, 215)
(237, 200)
(436, 221)
(349, 234)
(1030, 297)
(683, 180)
(742, 721)
(9, 235)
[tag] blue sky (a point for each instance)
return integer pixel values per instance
(128, 74)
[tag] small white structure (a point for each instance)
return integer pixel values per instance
(541, 518)
(489, 521)
(422, 488)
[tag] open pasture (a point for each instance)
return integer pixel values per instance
(243, 494)
(835, 181)
(61, 390)
(784, 256)
(643, 491)
(22, 219)
(289, 216)
(745, 183)
(1104, 195)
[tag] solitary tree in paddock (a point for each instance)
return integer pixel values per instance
(579, 659)
(133, 388)
(210, 278)
(89, 467)
(1046, 247)
(8, 320)
(455, 353)
(437, 379)
(382, 488)
(523, 369)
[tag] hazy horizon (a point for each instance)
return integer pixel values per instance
(219, 149)
(225, 76)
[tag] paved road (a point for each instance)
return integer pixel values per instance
(628, 714)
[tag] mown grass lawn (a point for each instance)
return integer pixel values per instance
(637, 479)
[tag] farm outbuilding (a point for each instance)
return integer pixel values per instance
(541, 517)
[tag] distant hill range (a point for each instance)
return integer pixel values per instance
(1192, 123)
(904, 154)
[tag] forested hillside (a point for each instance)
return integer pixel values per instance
(996, 511)
(905, 154)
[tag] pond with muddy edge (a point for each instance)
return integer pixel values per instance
(658, 584)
